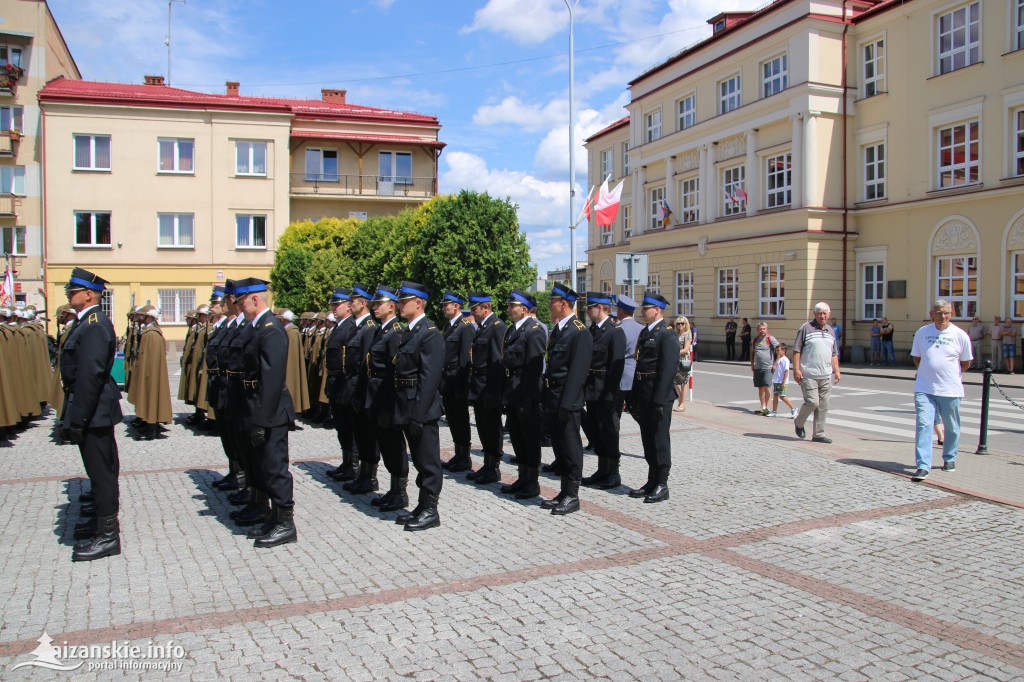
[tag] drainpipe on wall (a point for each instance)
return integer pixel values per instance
(42, 214)
(846, 210)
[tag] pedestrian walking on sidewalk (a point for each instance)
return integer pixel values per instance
(682, 379)
(762, 364)
(816, 367)
(779, 381)
(942, 353)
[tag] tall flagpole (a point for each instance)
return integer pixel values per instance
(572, 149)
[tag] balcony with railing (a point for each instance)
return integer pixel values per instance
(8, 206)
(8, 142)
(334, 185)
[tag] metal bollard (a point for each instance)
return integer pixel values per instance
(986, 386)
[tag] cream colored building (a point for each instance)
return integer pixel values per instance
(783, 192)
(30, 43)
(166, 192)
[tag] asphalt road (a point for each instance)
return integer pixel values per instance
(880, 409)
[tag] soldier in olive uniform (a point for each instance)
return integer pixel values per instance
(650, 401)
(523, 360)
(353, 393)
(334, 363)
(602, 390)
(419, 362)
(458, 339)
(92, 406)
(486, 386)
(570, 347)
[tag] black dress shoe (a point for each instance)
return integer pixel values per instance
(86, 529)
(552, 503)
(642, 491)
(282, 532)
(381, 499)
(821, 439)
(658, 494)
(428, 517)
(612, 480)
(399, 500)
(254, 516)
(106, 542)
(361, 486)
(801, 432)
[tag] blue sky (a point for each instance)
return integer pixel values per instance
(494, 71)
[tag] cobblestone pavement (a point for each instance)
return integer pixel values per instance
(768, 562)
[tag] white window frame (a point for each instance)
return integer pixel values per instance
(176, 219)
(684, 293)
(93, 244)
(969, 52)
(607, 235)
(174, 303)
(953, 168)
(250, 147)
(772, 290)
(652, 121)
(778, 184)
(319, 175)
(107, 302)
(689, 200)
(1017, 285)
(177, 169)
(733, 178)
(872, 290)
(686, 111)
(18, 238)
(606, 163)
(968, 302)
(873, 178)
(626, 214)
(653, 283)
(251, 219)
(15, 118)
(730, 93)
(626, 170)
(655, 195)
(873, 67)
(394, 177)
(727, 291)
(774, 75)
(13, 50)
(1017, 162)
(12, 181)
(1017, 42)
(93, 138)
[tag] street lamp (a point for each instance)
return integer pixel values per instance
(572, 147)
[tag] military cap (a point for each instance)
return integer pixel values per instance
(331, 318)
(287, 314)
(478, 297)
(83, 279)
(385, 293)
(229, 287)
(626, 303)
(598, 298)
(307, 316)
(217, 295)
(190, 314)
(520, 297)
(203, 310)
(454, 298)
(341, 295)
(277, 311)
(467, 313)
(652, 300)
(360, 290)
(250, 285)
(320, 317)
(562, 291)
(412, 290)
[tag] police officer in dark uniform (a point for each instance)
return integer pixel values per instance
(419, 363)
(234, 479)
(92, 406)
(523, 360)
(380, 398)
(354, 391)
(334, 362)
(569, 351)
(458, 339)
(486, 385)
(602, 391)
(268, 410)
(650, 401)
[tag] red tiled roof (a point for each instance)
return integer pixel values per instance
(614, 126)
(355, 137)
(64, 90)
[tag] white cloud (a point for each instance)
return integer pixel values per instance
(530, 117)
(528, 22)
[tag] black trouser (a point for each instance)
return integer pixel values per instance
(426, 457)
(603, 418)
(227, 432)
(566, 442)
(343, 424)
(249, 457)
(730, 346)
(588, 424)
(392, 450)
(745, 348)
(276, 479)
(456, 411)
(655, 437)
(523, 431)
(102, 466)
(364, 433)
(488, 426)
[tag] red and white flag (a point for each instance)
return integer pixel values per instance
(7, 289)
(585, 211)
(741, 194)
(607, 204)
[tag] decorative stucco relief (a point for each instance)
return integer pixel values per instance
(731, 148)
(689, 162)
(955, 237)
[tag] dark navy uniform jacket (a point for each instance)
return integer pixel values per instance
(353, 391)
(486, 374)
(265, 365)
(92, 398)
(657, 353)
(380, 372)
(523, 360)
(418, 362)
(607, 362)
(569, 352)
(334, 358)
(458, 339)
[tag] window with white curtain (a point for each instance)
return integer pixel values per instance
(250, 158)
(176, 230)
(728, 294)
(956, 280)
(92, 152)
(684, 293)
(176, 155)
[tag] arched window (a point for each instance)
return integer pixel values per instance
(956, 256)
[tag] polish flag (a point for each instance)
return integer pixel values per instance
(607, 204)
(7, 289)
(585, 211)
(741, 194)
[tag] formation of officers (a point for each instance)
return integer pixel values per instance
(26, 379)
(384, 371)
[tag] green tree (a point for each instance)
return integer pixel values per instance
(288, 278)
(328, 268)
(311, 260)
(326, 233)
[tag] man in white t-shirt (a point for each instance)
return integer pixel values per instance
(942, 353)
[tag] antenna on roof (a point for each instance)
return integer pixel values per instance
(167, 40)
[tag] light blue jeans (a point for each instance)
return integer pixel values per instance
(888, 353)
(947, 408)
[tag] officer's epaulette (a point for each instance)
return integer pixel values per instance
(268, 324)
(429, 328)
(466, 320)
(536, 325)
(94, 318)
(579, 325)
(616, 325)
(371, 324)
(396, 327)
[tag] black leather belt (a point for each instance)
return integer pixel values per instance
(250, 383)
(406, 382)
(513, 372)
(554, 383)
(644, 375)
(598, 371)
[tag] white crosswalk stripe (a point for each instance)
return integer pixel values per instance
(907, 420)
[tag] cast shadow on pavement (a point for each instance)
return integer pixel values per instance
(217, 504)
(64, 525)
(361, 502)
(879, 465)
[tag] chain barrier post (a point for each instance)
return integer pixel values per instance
(986, 387)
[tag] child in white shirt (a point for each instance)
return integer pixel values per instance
(779, 381)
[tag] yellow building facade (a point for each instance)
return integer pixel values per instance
(815, 151)
(168, 192)
(32, 52)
